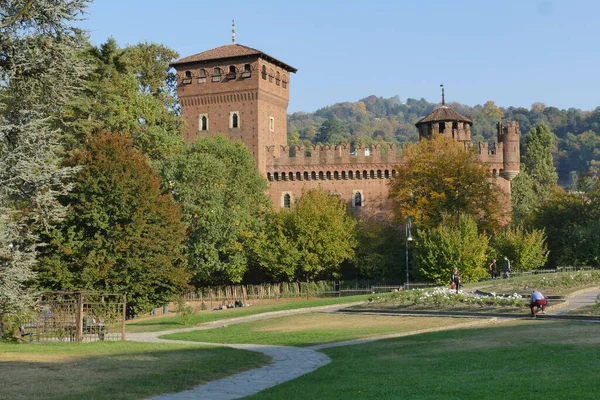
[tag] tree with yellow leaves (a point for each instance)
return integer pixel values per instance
(441, 176)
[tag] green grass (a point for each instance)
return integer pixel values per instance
(313, 328)
(174, 321)
(591, 310)
(517, 360)
(114, 370)
(559, 284)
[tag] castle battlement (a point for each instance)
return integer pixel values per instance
(327, 156)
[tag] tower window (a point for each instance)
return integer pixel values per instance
(264, 72)
(203, 122)
(202, 76)
(188, 78)
(232, 72)
(442, 127)
(287, 200)
(271, 124)
(247, 71)
(357, 200)
(277, 79)
(234, 119)
(216, 77)
(284, 82)
(271, 75)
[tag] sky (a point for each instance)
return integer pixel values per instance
(514, 52)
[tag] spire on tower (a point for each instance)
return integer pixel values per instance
(443, 97)
(233, 31)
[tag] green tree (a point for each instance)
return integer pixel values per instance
(526, 249)
(40, 71)
(379, 252)
(130, 90)
(539, 174)
(333, 132)
(122, 234)
(224, 202)
(454, 243)
(440, 177)
(323, 233)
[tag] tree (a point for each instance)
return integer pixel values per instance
(129, 90)
(333, 132)
(526, 249)
(539, 173)
(439, 176)
(40, 71)
(224, 203)
(454, 243)
(322, 232)
(379, 252)
(122, 234)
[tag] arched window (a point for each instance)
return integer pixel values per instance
(365, 176)
(379, 175)
(247, 71)
(271, 75)
(276, 176)
(291, 175)
(387, 174)
(321, 175)
(358, 199)
(344, 175)
(264, 72)
(232, 72)
(284, 82)
(350, 175)
(216, 77)
(298, 176)
(305, 176)
(372, 174)
(234, 120)
(442, 127)
(188, 78)
(277, 79)
(357, 175)
(287, 200)
(328, 175)
(313, 176)
(269, 176)
(202, 76)
(203, 122)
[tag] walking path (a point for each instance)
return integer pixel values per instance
(291, 362)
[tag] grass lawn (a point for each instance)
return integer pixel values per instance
(593, 309)
(314, 328)
(174, 321)
(509, 360)
(113, 370)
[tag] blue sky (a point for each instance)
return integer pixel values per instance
(515, 52)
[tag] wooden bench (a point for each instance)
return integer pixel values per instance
(25, 330)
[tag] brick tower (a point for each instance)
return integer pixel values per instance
(238, 91)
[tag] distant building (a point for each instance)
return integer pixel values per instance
(244, 93)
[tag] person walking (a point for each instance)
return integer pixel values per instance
(493, 270)
(507, 268)
(455, 279)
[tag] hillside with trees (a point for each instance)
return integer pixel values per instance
(374, 119)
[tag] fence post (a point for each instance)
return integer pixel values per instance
(79, 321)
(124, 311)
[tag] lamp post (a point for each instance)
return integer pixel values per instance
(409, 238)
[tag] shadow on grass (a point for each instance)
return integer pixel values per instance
(109, 371)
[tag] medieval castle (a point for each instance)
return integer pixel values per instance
(244, 93)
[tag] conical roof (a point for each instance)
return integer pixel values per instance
(231, 51)
(443, 114)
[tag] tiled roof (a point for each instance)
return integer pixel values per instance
(231, 51)
(444, 114)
